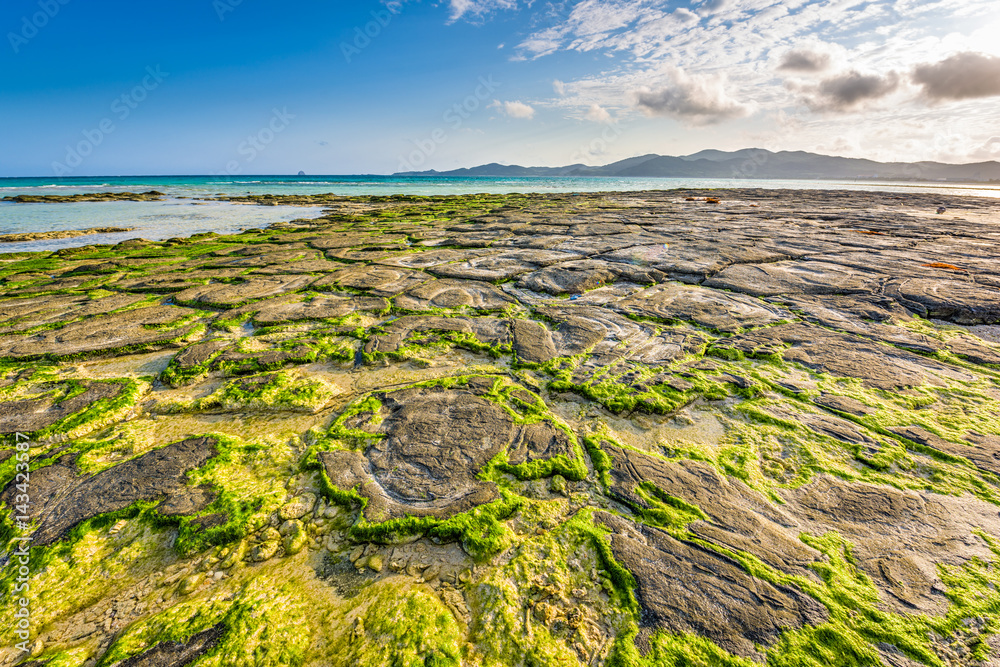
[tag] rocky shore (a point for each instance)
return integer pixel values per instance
(151, 195)
(663, 428)
(61, 234)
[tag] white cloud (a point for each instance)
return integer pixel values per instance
(699, 100)
(686, 15)
(478, 8)
(598, 114)
(785, 74)
(515, 109)
(988, 151)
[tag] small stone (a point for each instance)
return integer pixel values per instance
(294, 542)
(189, 584)
(234, 556)
(357, 553)
(264, 551)
(579, 593)
(558, 484)
(291, 527)
(375, 562)
(256, 522)
(292, 510)
(298, 507)
(36, 648)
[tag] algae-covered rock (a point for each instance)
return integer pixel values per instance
(295, 536)
(298, 507)
(63, 500)
(654, 429)
(264, 550)
(190, 584)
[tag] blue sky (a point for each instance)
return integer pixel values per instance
(246, 86)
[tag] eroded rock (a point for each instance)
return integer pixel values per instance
(683, 588)
(60, 499)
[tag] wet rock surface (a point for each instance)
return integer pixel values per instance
(62, 499)
(721, 311)
(151, 195)
(436, 442)
(31, 415)
(596, 429)
(65, 234)
(177, 654)
(686, 589)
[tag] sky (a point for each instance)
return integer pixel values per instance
(92, 87)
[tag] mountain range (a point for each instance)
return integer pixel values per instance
(748, 163)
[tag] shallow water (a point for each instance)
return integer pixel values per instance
(151, 220)
(184, 217)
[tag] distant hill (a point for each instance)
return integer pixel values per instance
(749, 163)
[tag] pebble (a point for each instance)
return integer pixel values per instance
(264, 551)
(189, 584)
(298, 507)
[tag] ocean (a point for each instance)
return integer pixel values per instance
(183, 217)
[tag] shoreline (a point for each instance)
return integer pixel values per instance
(55, 224)
(329, 199)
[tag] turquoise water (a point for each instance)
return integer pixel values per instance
(149, 220)
(183, 217)
(202, 186)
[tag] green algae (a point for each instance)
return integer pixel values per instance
(396, 626)
(281, 391)
(246, 477)
(481, 531)
(264, 626)
(857, 625)
(527, 610)
(178, 375)
(72, 576)
(99, 414)
(666, 511)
